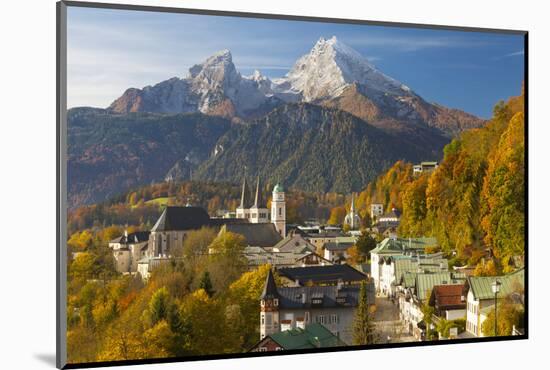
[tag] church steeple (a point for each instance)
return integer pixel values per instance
(352, 219)
(270, 287)
(269, 307)
(245, 195)
(258, 202)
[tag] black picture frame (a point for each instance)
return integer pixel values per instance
(61, 188)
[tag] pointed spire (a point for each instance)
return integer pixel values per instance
(258, 203)
(352, 209)
(245, 195)
(270, 287)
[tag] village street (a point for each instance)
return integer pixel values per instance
(387, 323)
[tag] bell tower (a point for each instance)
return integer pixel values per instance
(269, 307)
(278, 209)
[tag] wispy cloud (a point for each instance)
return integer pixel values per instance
(515, 54)
(409, 44)
(509, 55)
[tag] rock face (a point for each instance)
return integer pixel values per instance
(331, 74)
(313, 148)
(335, 75)
(110, 153)
(212, 87)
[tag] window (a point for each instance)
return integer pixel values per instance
(280, 211)
(275, 302)
(317, 301)
(262, 303)
(307, 317)
(263, 319)
(278, 349)
(320, 319)
(263, 349)
(333, 319)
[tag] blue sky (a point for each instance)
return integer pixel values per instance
(111, 50)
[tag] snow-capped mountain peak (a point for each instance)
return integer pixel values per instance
(216, 71)
(257, 76)
(331, 66)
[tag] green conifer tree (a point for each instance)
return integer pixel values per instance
(206, 284)
(363, 324)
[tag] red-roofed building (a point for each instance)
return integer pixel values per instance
(449, 301)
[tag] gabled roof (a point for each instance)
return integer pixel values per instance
(481, 286)
(363, 267)
(448, 297)
(403, 265)
(426, 281)
(256, 235)
(408, 280)
(270, 288)
(337, 246)
(293, 243)
(137, 237)
(325, 234)
(322, 274)
(313, 336)
(330, 296)
(182, 218)
(313, 255)
(401, 245)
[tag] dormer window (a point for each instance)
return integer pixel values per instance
(262, 303)
(276, 302)
(317, 301)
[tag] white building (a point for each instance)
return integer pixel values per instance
(256, 212)
(333, 306)
(481, 298)
(128, 249)
(396, 247)
(392, 267)
(414, 290)
(278, 209)
(376, 210)
(352, 219)
(424, 167)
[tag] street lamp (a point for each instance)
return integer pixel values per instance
(496, 288)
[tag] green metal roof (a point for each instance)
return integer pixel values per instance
(345, 239)
(402, 266)
(400, 245)
(409, 279)
(313, 336)
(426, 282)
(481, 285)
(278, 188)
